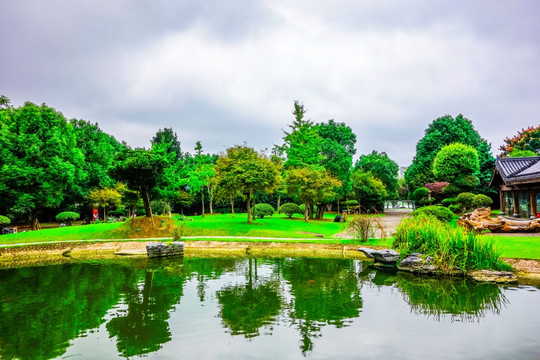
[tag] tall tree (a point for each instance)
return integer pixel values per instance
(526, 140)
(383, 168)
(368, 190)
(444, 131)
(245, 170)
(39, 158)
(168, 137)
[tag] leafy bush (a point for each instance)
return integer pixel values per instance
(449, 201)
(118, 212)
(289, 209)
(455, 208)
(481, 200)
(363, 226)
(4, 220)
(420, 193)
(453, 248)
(437, 188)
(465, 200)
(303, 207)
(67, 217)
(261, 210)
(440, 212)
(451, 190)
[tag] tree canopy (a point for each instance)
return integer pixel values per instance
(457, 164)
(383, 168)
(525, 140)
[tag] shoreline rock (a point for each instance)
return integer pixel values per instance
(160, 249)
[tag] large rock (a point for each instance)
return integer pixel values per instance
(367, 251)
(417, 263)
(386, 256)
(499, 277)
(161, 249)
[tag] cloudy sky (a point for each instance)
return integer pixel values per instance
(228, 72)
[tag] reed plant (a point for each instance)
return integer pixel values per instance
(453, 248)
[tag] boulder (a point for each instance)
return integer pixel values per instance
(417, 263)
(499, 277)
(161, 249)
(386, 256)
(367, 251)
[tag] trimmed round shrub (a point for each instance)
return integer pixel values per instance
(451, 190)
(67, 217)
(440, 212)
(289, 209)
(262, 210)
(449, 201)
(465, 199)
(455, 208)
(482, 200)
(4, 220)
(420, 193)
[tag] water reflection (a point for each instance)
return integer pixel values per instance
(43, 309)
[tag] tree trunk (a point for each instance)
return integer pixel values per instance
(312, 210)
(254, 217)
(249, 207)
(278, 201)
(146, 202)
(306, 212)
(231, 200)
(211, 197)
(34, 220)
(320, 211)
(104, 214)
(202, 199)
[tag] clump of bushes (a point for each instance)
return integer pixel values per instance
(67, 217)
(262, 210)
(449, 201)
(363, 226)
(289, 209)
(440, 212)
(465, 200)
(453, 248)
(4, 220)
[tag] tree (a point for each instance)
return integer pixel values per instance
(242, 169)
(526, 140)
(368, 190)
(104, 198)
(444, 131)
(383, 168)
(140, 169)
(39, 159)
(458, 164)
(200, 175)
(168, 138)
(312, 185)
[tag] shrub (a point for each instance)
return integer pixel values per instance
(481, 200)
(420, 193)
(451, 190)
(303, 207)
(453, 248)
(440, 212)
(4, 220)
(289, 209)
(449, 201)
(465, 199)
(363, 226)
(455, 208)
(67, 217)
(118, 212)
(437, 187)
(261, 210)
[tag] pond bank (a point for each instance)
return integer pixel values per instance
(52, 253)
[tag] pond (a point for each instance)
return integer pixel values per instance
(249, 308)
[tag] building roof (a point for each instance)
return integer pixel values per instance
(518, 170)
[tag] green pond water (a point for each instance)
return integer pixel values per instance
(280, 308)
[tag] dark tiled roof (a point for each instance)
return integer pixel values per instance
(519, 170)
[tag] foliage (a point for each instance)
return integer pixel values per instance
(481, 200)
(105, 198)
(309, 212)
(4, 220)
(262, 210)
(170, 141)
(383, 168)
(465, 200)
(440, 212)
(289, 209)
(368, 190)
(243, 169)
(444, 131)
(437, 188)
(420, 194)
(67, 217)
(525, 140)
(453, 248)
(458, 164)
(521, 153)
(363, 227)
(449, 201)
(312, 185)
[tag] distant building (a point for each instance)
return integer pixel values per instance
(518, 183)
(401, 173)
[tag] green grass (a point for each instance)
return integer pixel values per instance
(521, 247)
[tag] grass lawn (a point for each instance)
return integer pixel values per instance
(522, 247)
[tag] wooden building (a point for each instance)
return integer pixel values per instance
(518, 183)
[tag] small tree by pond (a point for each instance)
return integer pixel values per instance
(67, 217)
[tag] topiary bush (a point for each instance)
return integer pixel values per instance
(4, 220)
(449, 201)
(420, 194)
(440, 212)
(289, 209)
(481, 200)
(455, 208)
(262, 210)
(67, 217)
(465, 200)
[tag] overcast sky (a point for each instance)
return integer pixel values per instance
(228, 72)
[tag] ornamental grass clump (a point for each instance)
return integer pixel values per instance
(453, 248)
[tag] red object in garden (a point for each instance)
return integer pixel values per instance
(95, 214)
